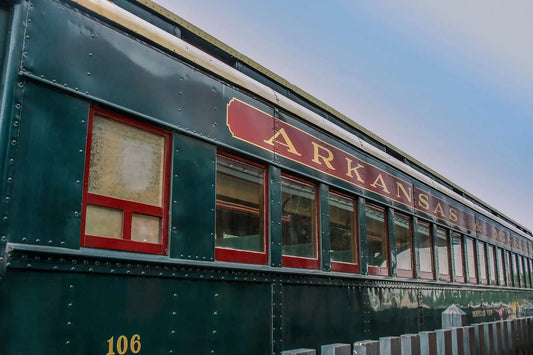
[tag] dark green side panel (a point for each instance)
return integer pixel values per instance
(307, 309)
(193, 199)
(4, 34)
(51, 142)
(169, 315)
(104, 64)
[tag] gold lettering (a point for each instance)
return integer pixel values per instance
(407, 193)
(354, 170)
(381, 184)
(326, 159)
(453, 214)
(438, 210)
(286, 141)
(423, 201)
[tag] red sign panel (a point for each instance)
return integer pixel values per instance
(258, 128)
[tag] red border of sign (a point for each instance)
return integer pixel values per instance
(247, 256)
(127, 207)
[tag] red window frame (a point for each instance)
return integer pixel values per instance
(246, 256)
(405, 272)
(492, 274)
(428, 275)
(299, 261)
(481, 249)
(458, 236)
(128, 208)
(345, 266)
(472, 278)
(445, 277)
(380, 270)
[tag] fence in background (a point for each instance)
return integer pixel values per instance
(501, 337)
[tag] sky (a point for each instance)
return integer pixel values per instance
(448, 82)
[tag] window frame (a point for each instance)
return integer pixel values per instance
(426, 275)
(127, 207)
(405, 272)
(481, 251)
(301, 262)
(444, 277)
(341, 266)
(472, 274)
(460, 237)
(492, 272)
(508, 265)
(372, 269)
(240, 255)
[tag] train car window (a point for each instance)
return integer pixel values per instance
(471, 260)
(527, 281)
(516, 271)
(443, 251)
(482, 259)
(491, 265)
(458, 257)
(126, 185)
(377, 239)
(240, 211)
(520, 262)
(299, 240)
(425, 250)
(342, 231)
(500, 266)
(508, 269)
(403, 232)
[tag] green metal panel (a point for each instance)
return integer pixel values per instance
(10, 95)
(193, 199)
(361, 233)
(391, 312)
(432, 303)
(318, 315)
(416, 244)
(435, 252)
(49, 155)
(79, 313)
(324, 226)
(4, 34)
(274, 216)
(97, 61)
(392, 242)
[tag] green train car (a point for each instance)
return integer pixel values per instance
(163, 194)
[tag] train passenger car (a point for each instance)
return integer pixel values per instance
(163, 194)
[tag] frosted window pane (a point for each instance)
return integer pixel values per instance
(103, 222)
(145, 228)
(126, 162)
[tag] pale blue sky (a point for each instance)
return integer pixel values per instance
(449, 83)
